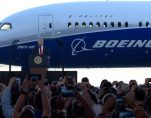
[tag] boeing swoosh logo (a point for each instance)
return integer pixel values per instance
(78, 45)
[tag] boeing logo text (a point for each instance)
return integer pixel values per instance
(122, 44)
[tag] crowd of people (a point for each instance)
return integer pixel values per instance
(36, 97)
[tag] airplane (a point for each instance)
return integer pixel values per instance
(81, 34)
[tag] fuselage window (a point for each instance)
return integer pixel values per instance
(140, 24)
(98, 24)
(119, 24)
(6, 26)
(83, 24)
(147, 24)
(76, 24)
(69, 24)
(50, 25)
(126, 24)
(91, 24)
(105, 24)
(112, 24)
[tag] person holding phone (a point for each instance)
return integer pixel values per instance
(6, 99)
(28, 111)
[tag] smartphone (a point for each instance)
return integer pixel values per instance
(34, 77)
(18, 81)
(46, 83)
(68, 93)
(126, 114)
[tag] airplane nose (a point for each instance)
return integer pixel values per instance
(2, 38)
(5, 39)
(4, 55)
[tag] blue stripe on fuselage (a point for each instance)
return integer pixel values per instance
(79, 50)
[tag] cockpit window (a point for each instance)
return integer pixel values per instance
(5, 26)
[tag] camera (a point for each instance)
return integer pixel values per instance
(34, 77)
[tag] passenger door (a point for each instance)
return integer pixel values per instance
(45, 26)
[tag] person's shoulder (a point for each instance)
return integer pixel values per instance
(36, 47)
(45, 47)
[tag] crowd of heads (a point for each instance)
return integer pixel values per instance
(36, 97)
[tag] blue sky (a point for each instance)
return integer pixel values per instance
(7, 7)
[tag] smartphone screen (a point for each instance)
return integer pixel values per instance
(46, 83)
(18, 81)
(126, 114)
(35, 77)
